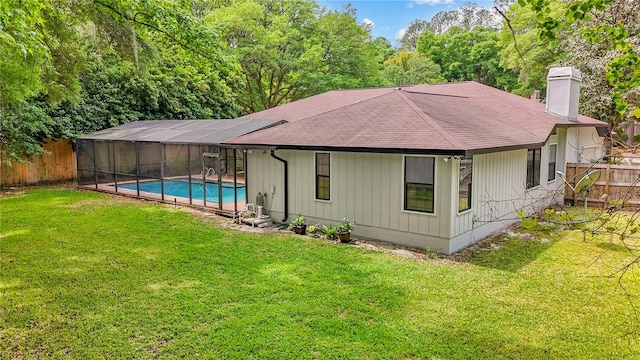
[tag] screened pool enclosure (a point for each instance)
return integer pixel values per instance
(178, 161)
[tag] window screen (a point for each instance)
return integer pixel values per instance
(553, 150)
(418, 183)
(533, 168)
(323, 169)
(464, 183)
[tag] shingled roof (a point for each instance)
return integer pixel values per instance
(452, 118)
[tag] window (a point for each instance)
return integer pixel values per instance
(464, 184)
(553, 150)
(418, 183)
(533, 168)
(323, 168)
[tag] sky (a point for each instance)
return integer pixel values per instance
(390, 17)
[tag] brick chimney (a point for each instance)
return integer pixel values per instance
(563, 92)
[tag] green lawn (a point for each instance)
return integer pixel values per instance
(87, 275)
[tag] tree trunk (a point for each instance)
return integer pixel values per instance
(631, 132)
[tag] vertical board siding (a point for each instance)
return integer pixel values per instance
(365, 188)
(499, 190)
(368, 189)
(501, 184)
(60, 165)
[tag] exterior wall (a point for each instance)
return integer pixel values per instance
(365, 188)
(368, 189)
(584, 145)
(499, 191)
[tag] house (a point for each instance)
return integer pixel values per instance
(429, 166)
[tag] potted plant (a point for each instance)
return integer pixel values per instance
(344, 230)
(298, 226)
(314, 230)
(329, 232)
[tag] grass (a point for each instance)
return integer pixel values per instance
(88, 275)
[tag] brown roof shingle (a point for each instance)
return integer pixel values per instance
(456, 117)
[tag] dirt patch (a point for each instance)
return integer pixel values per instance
(162, 344)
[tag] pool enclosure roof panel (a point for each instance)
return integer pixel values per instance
(182, 131)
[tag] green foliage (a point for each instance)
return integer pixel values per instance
(345, 226)
(468, 17)
(409, 68)
(299, 221)
(522, 51)
(467, 55)
(24, 128)
(623, 69)
(70, 68)
(291, 49)
(313, 230)
(329, 231)
(527, 222)
(383, 49)
(21, 50)
(411, 34)
(40, 51)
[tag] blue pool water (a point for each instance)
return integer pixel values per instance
(181, 188)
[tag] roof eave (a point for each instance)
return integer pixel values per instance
(357, 149)
(482, 151)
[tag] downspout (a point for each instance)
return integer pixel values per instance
(286, 184)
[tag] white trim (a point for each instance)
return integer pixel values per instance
(457, 191)
(464, 212)
(315, 177)
(403, 183)
(418, 212)
(532, 188)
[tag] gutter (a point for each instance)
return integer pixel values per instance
(286, 185)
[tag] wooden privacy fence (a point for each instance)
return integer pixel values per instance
(60, 165)
(618, 183)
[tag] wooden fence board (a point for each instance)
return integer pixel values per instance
(617, 183)
(59, 165)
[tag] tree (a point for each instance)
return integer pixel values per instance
(48, 49)
(39, 50)
(293, 49)
(623, 69)
(383, 49)
(594, 57)
(178, 86)
(350, 58)
(409, 68)
(468, 16)
(410, 36)
(523, 52)
(467, 55)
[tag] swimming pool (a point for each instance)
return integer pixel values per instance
(181, 188)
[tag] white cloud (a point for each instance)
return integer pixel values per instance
(368, 23)
(400, 34)
(432, 2)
